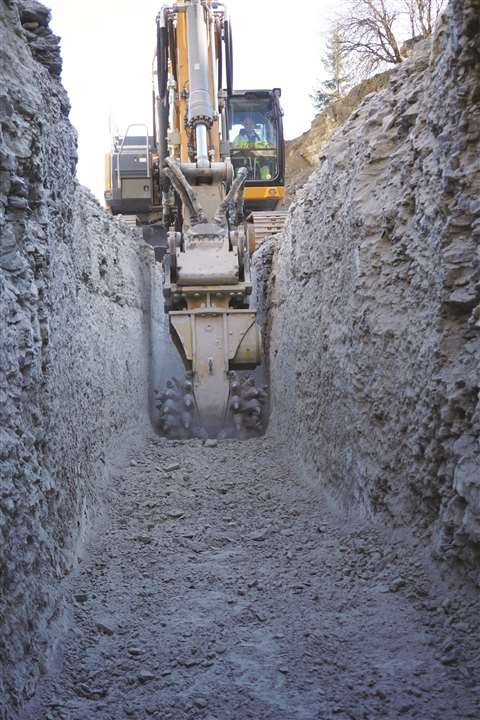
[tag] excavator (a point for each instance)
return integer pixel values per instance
(204, 187)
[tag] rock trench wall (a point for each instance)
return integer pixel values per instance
(302, 154)
(75, 346)
(375, 300)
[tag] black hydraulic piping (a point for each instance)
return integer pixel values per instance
(172, 48)
(154, 118)
(227, 36)
(162, 56)
(162, 79)
(218, 36)
(277, 114)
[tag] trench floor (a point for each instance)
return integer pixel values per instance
(218, 586)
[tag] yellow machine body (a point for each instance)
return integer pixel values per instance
(194, 178)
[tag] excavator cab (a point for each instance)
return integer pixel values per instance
(257, 144)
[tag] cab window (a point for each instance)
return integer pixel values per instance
(253, 138)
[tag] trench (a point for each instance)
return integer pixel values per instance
(329, 569)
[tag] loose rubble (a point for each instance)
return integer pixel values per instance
(219, 586)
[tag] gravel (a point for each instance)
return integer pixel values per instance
(241, 607)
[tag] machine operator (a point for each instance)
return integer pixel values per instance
(249, 138)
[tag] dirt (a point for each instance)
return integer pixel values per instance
(219, 585)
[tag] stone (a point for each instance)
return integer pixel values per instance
(145, 676)
(17, 203)
(91, 693)
(260, 535)
(104, 629)
(175, 514)
(200, 703)
(7, 160)
(397, 584)
(19, 187)
(170, 467)
(211, 443)
(11, 262)
(134, 651)
(32, 11)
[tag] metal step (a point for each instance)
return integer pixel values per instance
(130, 220)
(267, 224)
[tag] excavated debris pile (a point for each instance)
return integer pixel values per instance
(220, 587)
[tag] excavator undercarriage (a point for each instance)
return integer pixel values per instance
(198, 186)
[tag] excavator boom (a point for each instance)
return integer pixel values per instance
(214, 156)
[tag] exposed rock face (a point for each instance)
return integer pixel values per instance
(375, 345)
(302, 155)
(74, 344)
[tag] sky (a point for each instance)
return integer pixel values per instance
(108, 45)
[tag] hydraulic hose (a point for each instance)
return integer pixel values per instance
(218, 36)
(162, 58)
(172, 37)
(162, 78)
(227, 34)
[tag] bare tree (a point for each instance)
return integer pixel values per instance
(367, 28)
(371, 29)
(422, 15)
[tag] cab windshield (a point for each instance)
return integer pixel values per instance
(253, 137)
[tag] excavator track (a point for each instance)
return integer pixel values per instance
(266, 224)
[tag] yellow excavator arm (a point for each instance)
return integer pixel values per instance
(213, 157)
